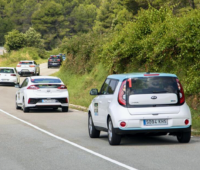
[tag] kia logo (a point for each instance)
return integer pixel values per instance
(154, 97)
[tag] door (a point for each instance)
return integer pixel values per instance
(98, 106)
(107, 100)
(21, 91)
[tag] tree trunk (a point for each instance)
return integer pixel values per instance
(192, 3)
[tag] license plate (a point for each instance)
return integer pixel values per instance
(55, 63)
(25, 70)
(48, 101)
(4, 79)
(153, 122)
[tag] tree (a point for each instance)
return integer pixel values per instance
(51, 23)
(33, 39)
(14, 40)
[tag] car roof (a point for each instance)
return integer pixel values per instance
(8, 67)
(141, 74)
(26, 60)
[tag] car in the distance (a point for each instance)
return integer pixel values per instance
(42, 92)
(140, 103)
(54, 61)
(28, 67)
(9, 76)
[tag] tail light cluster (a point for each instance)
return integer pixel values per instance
(58, 59)
(31, 65)
(181, 93)
(18, 65)
(122, 94)
(50, 59)
(13, 75)
(33, 87)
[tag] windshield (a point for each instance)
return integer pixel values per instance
(55, 57)
(151, 85)
(4, 70)
(45, 80)
(25, 62)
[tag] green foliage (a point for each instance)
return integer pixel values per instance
(14, 40)
(33, 39)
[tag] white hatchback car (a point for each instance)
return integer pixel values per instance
(145, 103)
(42, 92)
(28, 67)
(9, 76)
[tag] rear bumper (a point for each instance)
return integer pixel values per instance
(171, 130)
(54, 64)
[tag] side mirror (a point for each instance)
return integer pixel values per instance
(17, 86)
(94, 92)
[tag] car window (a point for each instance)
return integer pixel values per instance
(45, 80)
(112, 86)
(105, 86)
(5, 70)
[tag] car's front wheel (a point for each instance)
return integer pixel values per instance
(113, 138)
(184, 137)
(93, 133)
(25, 109)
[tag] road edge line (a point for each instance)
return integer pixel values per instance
(69, 142)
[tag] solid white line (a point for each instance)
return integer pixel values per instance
(71, 143)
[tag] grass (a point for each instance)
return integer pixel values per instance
(79, 86)
(11, 59)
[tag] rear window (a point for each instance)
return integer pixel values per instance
(25, 62)
(54, 57)
(4, 70)
(151, 85)
(45, 80)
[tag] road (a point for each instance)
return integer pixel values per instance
(53, 140)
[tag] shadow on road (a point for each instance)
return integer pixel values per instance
(41, 111)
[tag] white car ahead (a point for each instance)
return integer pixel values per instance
(28, 67)
(42, 92)
(144, 103)
(9, 76)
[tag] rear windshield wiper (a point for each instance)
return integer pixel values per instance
(164, 91)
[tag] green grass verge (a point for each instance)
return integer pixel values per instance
(29, 53)
(79, 86)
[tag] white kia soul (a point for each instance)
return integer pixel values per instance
(145, 103)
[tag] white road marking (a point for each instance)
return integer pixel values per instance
(71, 143)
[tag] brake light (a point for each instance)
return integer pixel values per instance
(151, 74)
(50, 60)
(66, 100)
(31, 65)
(181, 94)
(122, 93)
(13, 75)
(62, 87)
(18, 65)
(29, 100)
(32, 87)
(58, 59)
(123, 124)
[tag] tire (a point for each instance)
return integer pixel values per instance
(93, 133)
(38, 73)
(25, 109)
(113, 138)
(184, 137)
(64, 109)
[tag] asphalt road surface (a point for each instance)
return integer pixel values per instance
(53, 140)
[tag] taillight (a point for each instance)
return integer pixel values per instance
(50, 60)
(13, 75)
(32, 87)
(181, 93)
(66, 100)
(18, 65)
(29, 100)
(123, 124)
(31, 65)
(122, 93)
(58, 59)
(186, 122)
(62, 87)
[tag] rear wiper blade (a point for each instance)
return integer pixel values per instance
(164, 91)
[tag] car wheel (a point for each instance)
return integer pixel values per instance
(184, 137)
(25, 109)
(38, 73)
(64, 109)
(93, 133)
(113, 138)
